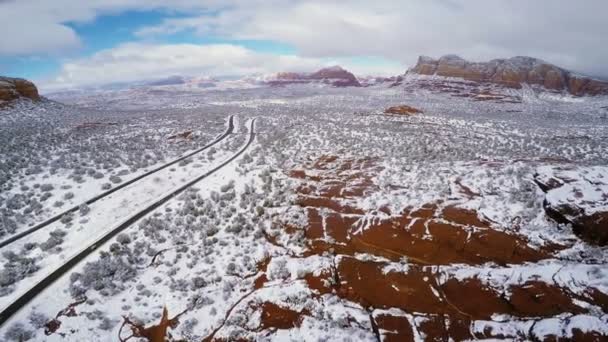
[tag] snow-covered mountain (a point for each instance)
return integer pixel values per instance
(335, 76)
(513, 72)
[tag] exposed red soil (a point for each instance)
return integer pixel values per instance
(456, 302)
(402, 110)
(154, 333)
(432, 234)
(477, 91)
(455, 236)
(537, 299)
(91, 125)
(394, 328)
(276, 317)
(262, 267)
(53, 325)
(437, 307)
(186, 135)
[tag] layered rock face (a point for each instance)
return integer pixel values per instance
(577, 196)
(335, 76)
(512, 72)
(14, 88)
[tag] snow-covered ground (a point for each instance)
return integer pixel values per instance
(338, 223)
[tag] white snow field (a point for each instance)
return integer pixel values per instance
(329, 221)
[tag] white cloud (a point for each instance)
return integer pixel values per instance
(570, 34)
(567, 33)
(37, 26)
(141, 61)
(138, 61)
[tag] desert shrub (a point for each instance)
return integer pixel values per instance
(46, 187)
(84, 209)
(7, 226)
(18, 332)
(15, 269)
(123, 238)
(107, 275)
(67, 218)
(38, 319)
(115, 179)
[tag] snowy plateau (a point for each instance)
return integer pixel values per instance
(316, 207)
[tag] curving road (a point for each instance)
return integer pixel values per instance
(57, 217)
(18, 304)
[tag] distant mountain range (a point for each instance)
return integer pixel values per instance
(515, 72)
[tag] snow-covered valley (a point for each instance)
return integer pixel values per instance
(481, 217)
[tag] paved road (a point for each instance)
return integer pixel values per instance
(18, 304)
(57, 217)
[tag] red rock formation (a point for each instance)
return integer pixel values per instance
(566, 202)
(338, 76)
(335, 76)
(402, 110)
(14, 88)
(512, 72)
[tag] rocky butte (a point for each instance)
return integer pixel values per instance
(335, 76)
(512, 72)
(14, 88)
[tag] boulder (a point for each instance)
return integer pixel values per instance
(402, 110)
(14, 88)
(577, 196)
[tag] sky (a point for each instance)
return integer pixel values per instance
(74, 43)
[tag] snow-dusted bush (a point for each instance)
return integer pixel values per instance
(15, 269)
(7, 225)
(38, 319)
(115, 179)
(123, 238)
(84, 209)
(108, 275)
(46, 187)
(18, 333)
(67, 218)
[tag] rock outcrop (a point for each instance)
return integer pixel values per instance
(335, 76)
(577, 196)
(402, 110)
(14, 88)
(512, 72)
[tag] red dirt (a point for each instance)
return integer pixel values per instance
(186, 135)
(535, 298)
(459, 302)
(323, 202)
(402, 110)
(53, 325)
(427, 235)
(262, 266)
(433, 234)
(91, 125)
(394, 328)
(154, 333)
(274, 316)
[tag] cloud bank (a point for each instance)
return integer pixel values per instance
(567, 33)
